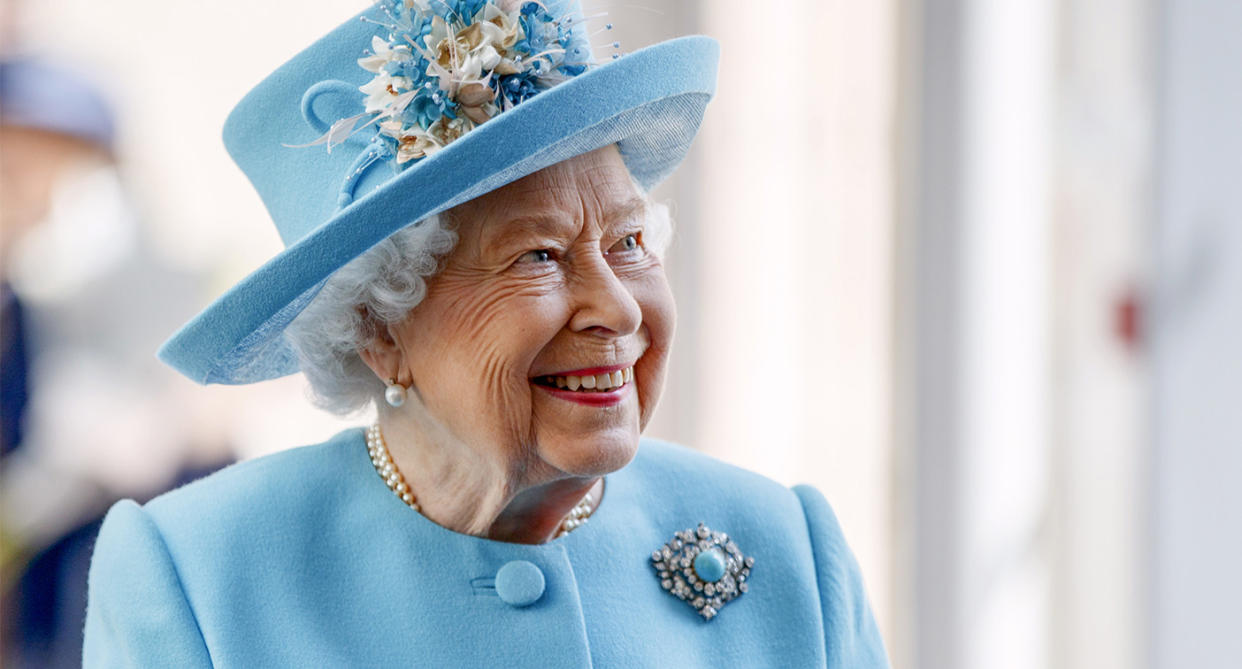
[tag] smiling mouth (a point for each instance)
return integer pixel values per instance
(597, 383)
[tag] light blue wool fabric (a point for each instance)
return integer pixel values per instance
(306, 559)
(649, 103)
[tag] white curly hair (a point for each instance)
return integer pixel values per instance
(378, 289)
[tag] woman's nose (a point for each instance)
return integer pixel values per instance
(603, 303)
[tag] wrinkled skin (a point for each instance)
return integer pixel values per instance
(549, 275)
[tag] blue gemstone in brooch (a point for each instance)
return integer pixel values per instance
(702, 568)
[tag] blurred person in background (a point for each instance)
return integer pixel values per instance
(477, 258)
(81, 392)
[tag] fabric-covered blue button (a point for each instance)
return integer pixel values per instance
(519, 583)
(710, 565)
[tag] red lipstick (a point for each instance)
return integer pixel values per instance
(595, 398)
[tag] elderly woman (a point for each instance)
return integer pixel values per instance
(477, 257)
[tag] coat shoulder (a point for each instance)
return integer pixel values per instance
(676, 459)
(294, 481)
(685, 476)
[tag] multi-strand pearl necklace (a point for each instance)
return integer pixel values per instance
(387, 469)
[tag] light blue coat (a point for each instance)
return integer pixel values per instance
(306, 559)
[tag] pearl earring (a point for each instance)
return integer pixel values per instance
(394, 394)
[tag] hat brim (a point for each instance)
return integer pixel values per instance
(649, 103)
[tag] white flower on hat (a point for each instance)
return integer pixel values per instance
(441, 70)
(385, 90)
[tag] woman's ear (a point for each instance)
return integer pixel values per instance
(383, 355)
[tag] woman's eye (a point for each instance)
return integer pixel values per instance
(536, 256)
(627, 243)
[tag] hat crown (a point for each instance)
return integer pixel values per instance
(278, 132)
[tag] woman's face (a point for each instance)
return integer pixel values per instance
(550, 280)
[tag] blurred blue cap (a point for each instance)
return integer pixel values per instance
(41, 96)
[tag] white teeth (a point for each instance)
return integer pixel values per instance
(599, 382)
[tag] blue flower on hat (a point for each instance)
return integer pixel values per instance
(446, 66)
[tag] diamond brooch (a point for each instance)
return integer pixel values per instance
(702, 568)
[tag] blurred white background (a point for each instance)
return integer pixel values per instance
(971, 268)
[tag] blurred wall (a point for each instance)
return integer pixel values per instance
(1195, 537)
(1025, 179)
(1102, 213)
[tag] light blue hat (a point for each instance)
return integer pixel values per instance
(405, 144)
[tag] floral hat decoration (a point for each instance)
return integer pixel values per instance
(409, 109)
(445, 68)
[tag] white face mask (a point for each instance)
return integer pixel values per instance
(90, 229)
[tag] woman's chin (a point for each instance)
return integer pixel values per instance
(598, 453)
